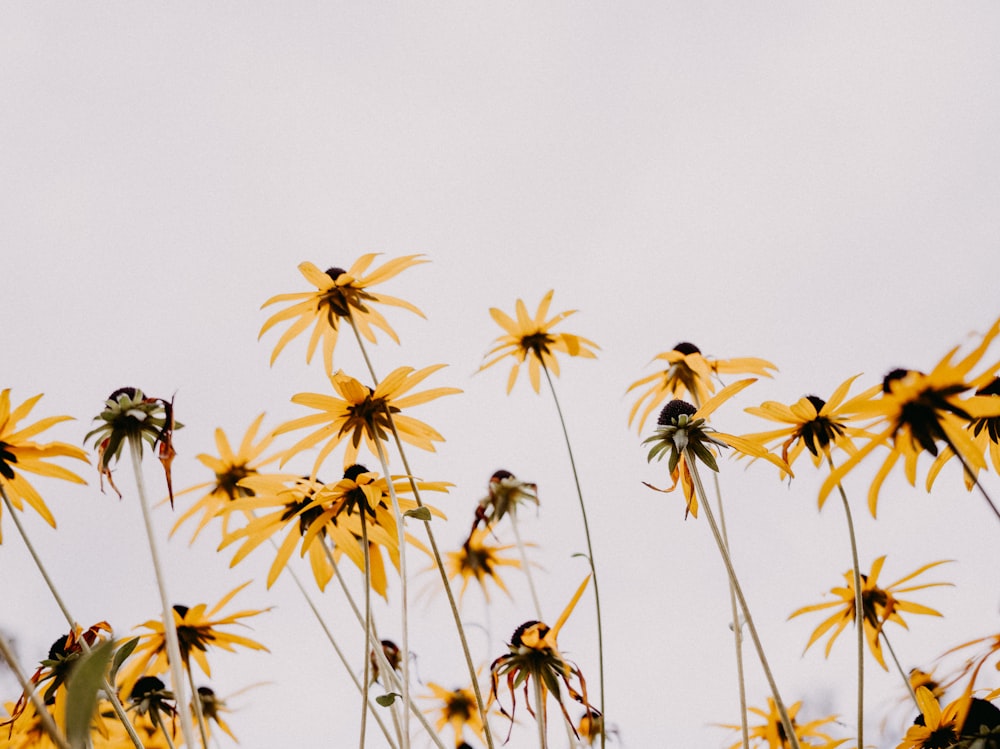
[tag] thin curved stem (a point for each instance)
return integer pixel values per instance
(199, 714)
(859, 607)
(590, 548)
(112, 694)
(972, 476)
(169, 626)
(366, 679)
(540, 713)
(899, 668)
(7, 652)
(157, 720)
(527, 568)
(779, 704)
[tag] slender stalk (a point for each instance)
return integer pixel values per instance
(590, 548)
(779, 704)
(439, 562)
(405, 624)
(112, 694)
(7, 652)
(527, 568)
(169, 626)
(154, 715)
(737, 624)
(336, 648)
(859, 608)
(199, 714)
(902, 673)
(972, 476)
(366, 680)
(540, 714)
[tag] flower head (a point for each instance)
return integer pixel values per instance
(505, 494)
(20, 453)
(934, 728)
(198, 628)
(814, 424)
(880, 606)
(458, 709)
(688, 371)
(229, 468)
(363, 414)
(129, 415)
(985, 435)
(340, 295)
(771, 733)
(212, 707)
(531, 340)
(533, 654)
(683, 430)
(917, 411)
(480, 561)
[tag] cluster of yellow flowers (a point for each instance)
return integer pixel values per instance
(95, 689)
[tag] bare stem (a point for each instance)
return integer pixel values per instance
(199, 714)
(29, 689)
(169, 626)
(526, 565)
(540, 713)
(899, 668)
(366, 679)
(972, 476)
(779, 704)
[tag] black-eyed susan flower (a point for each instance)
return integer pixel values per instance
(130, 415)
(531, 339)
(688, 371)
(881, 605)
(985, 435)
(198, 629)
(682, 427)
(20, 453)
(771, 733)
(936, 728)
(150, 699)
(358, 413)
(212, 708)
(480, 561)
(505, 494)
(813, 424)
(230, 467)
(458, 709)
(533, 657)
(917, 411)
(340, 295)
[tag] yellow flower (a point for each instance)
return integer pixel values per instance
(919, 410)
(340, 295)
(532, 340)
(682, 427)
(688, 371)
(881, 605)
(459, 710)
(197, 630)
(941, 728)
(19, 453)
(365, 414)
(989, 646)
(985, 435)
(477, 560)
(533, 653)
(814, 424)
(771, 733)
(229, 468)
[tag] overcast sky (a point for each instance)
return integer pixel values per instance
(815, 184)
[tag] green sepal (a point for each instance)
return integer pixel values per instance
(85, 680)
(385, 700)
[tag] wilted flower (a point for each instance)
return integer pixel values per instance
(506, 492)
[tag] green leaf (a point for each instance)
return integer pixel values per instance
(85, 680)
(385, 700)
(419, 513)
(121, 654)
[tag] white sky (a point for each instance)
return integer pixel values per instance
(815, 184)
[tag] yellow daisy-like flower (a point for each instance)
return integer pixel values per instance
(480, 561)
(532, 340)
(688, 371)
(919, 410)
(941, 728)
(340, 295)
(20, 453)
(682, 427)
(985, 435)
(880, 606)
(814, 424)
(361, 413)
(197, 630)
(533, 653)
(229, 468)
(458, 709)
(771, 733)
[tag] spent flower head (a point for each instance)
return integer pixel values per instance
(20, 454)
(505, 494)
(532, 340)
(688, 371)
(340, 295)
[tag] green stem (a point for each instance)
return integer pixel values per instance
(366, 680)
(199, 714)
(7, 653)
(779, 704)
(540, 713)
(112, 694)
(899, 668)
(438, 561)
(169, 626)
(971, 474)
(527, 567)
(859, 608)
(590, 548)
(157, 720)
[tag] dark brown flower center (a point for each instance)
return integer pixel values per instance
(130, 392)
(673, 410)
(687, 348)
(501, 475)
(7, 459)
